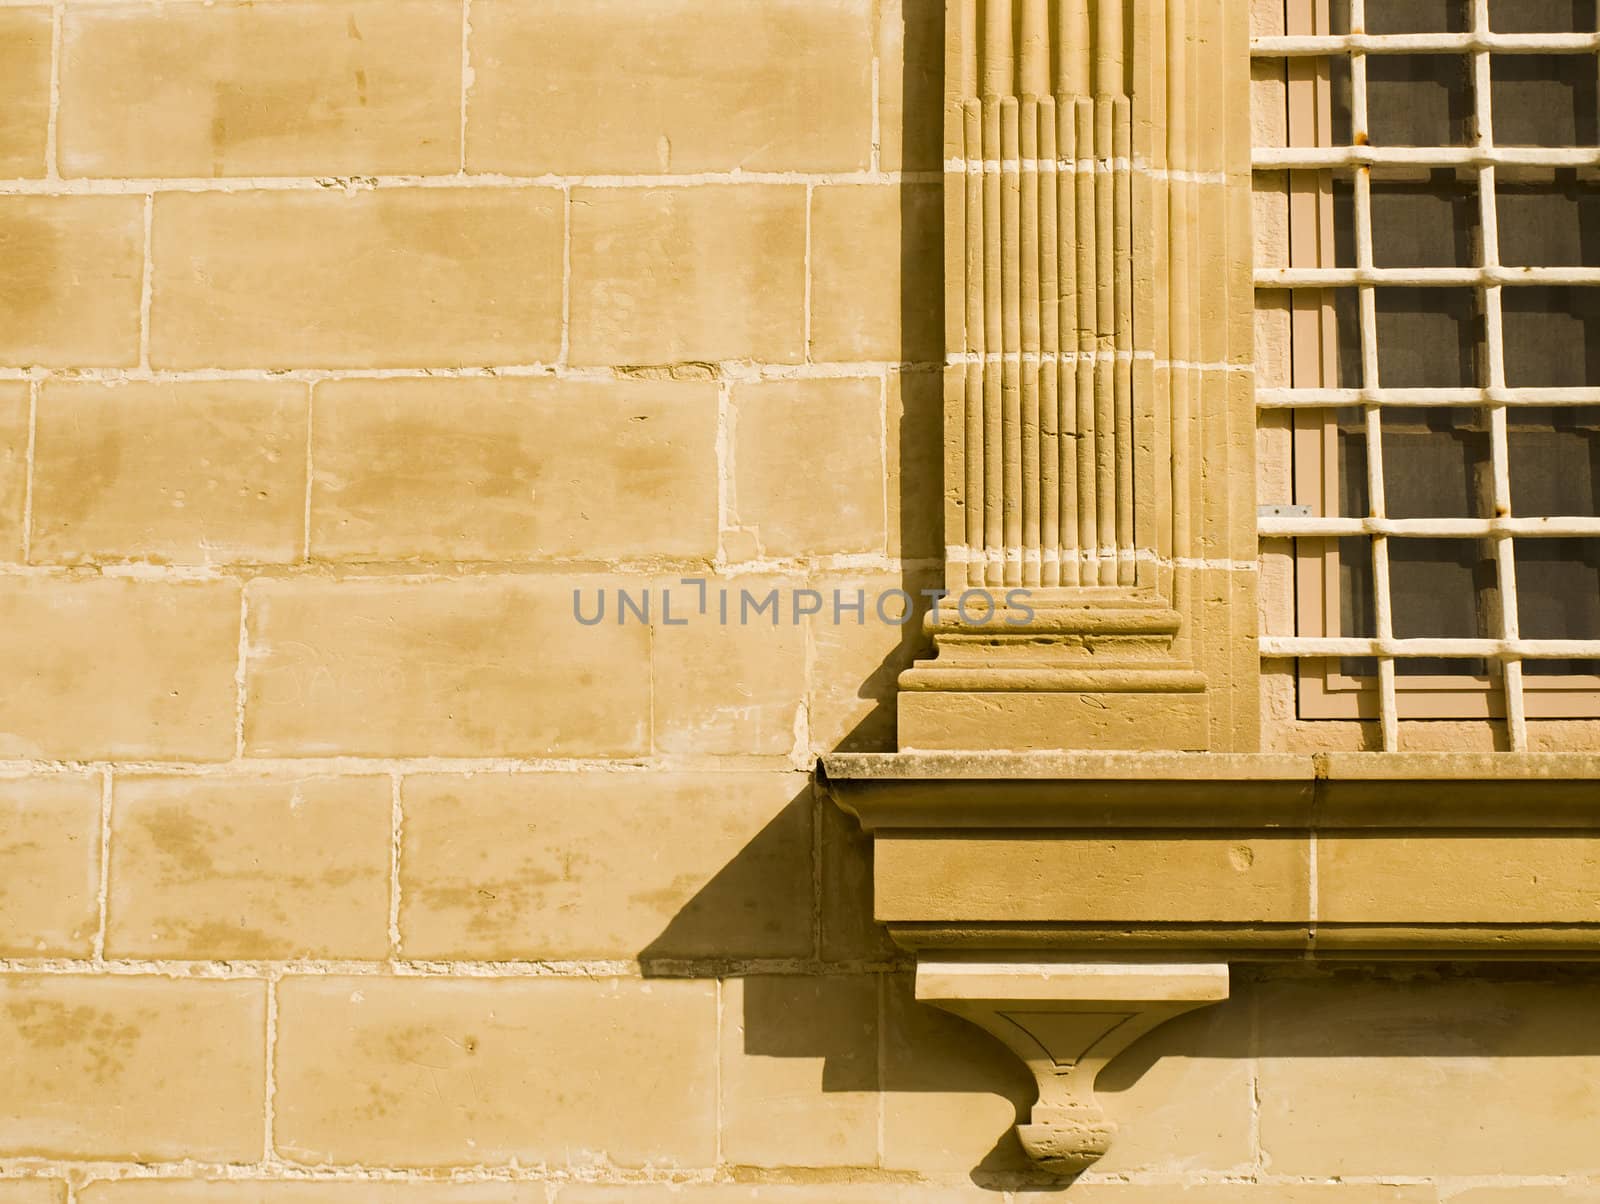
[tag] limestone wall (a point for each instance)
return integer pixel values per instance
(341, 341)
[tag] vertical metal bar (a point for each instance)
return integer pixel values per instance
(1388, 696)
(1495, 366)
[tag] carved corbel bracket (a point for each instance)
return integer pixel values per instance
(1070, 902)
(1066, 1020)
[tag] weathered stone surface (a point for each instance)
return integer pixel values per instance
(514, 469)
(134, 1068)
(71, 287)
(398, 277)
(730, 688)
(718, 86)
(799, 513)
(14, 427)
(24, 90)
(800, 1070)
(1514, 1062)
(611, 865)
(407, 1072)
(33, 1191)
(1455, 878)
(250, 867)
(118, 668)
(953, 1094)
(291, 1191)
(875, 268)
(836, 1192)
(668, 275)
(294, 89)
(49, 865)
(491, 666)
(191, 473)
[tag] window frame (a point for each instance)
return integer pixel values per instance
(1324, 690)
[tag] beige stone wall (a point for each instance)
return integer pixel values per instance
(340, 341)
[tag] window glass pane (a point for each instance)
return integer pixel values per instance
(1543, 99)
(1558, 597)
(1436, 463)
(1357, 619)
(1536, 16)
(1549, 224)
(1441, 588)
(1430, 223)
(1428, 337)
(1414, 16)
(1552, 337)
(1350, 429)
(1554, 461)
(1419, 100)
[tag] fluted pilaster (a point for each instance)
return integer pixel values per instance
(1098, 409)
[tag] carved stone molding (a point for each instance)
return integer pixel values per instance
(1232, 857)
(1041, 891)
(1098, 381)
(1066, 1020)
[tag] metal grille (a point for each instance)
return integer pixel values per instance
(1489, 278)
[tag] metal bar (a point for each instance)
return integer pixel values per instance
(1495, 365)
(1446, 649)
(1424, 43)
(1323, 398)
(1429, 528)
(1493, 276)
(1323, 158)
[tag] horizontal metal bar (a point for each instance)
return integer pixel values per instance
(1320, 399)
(1430, 528)
(1424, 43)
(1426, 277)
(1320, 158)
(1532, 650)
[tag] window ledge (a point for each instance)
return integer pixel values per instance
(1228, 856)
(1070, 902)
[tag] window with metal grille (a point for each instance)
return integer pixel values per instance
(1438, 273)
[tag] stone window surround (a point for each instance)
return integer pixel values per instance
(1080, 831)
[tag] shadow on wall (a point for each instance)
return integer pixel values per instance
(846, 997)
(809, 976)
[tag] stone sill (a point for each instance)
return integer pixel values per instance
(1223, 856)
(968, 790)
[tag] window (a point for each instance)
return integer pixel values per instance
(1433, 190)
